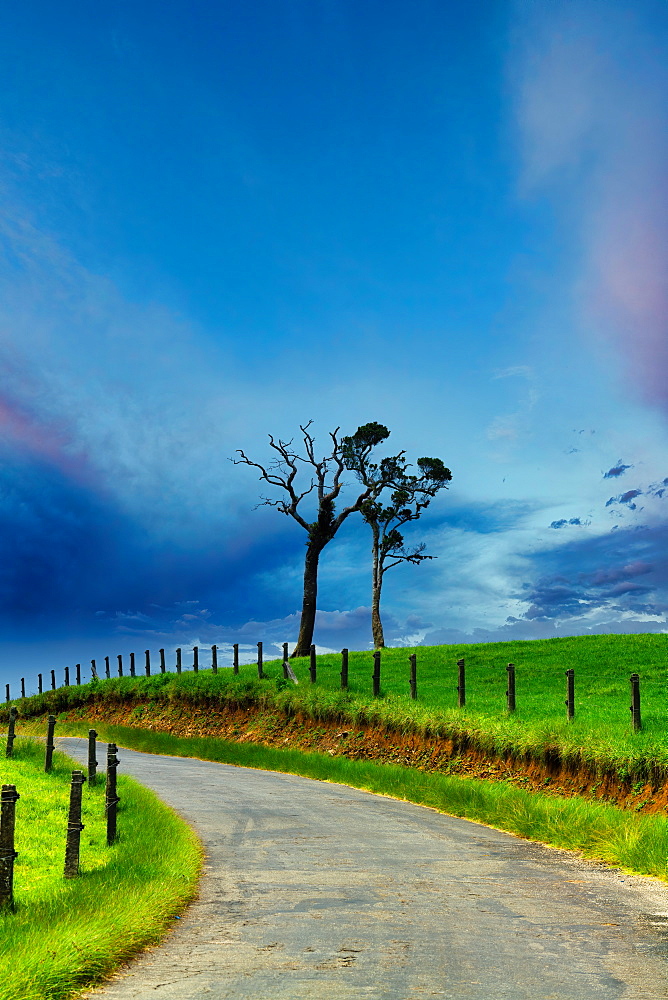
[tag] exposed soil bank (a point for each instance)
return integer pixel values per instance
(273, 728)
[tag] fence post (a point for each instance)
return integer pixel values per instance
(39, 684)
(8, 799)
(214, 659)
(92, 762)
(510, 693)
(461, 686)
(93, 671)
(48, 755)
(313, 666)
(67, 677)
(11, 736)
(178, 661)
(107, 671)
(23, 687)
(260, 671)
(163, 666)
(344, 669)
(286, 657)
(78, 673)
(132, 664)
(413, 681)
(235, 658)
(111, 799)
(53, 680)
(7, 690)
(376, 674)
(196, 659)
(74, 827)
(147, 668)
(120, 664)
(635, 703)
(570, 694)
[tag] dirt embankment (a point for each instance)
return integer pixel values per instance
(368, 743)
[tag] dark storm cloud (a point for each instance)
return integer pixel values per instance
(617, 470)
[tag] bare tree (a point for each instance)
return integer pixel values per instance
(323, 484)
(410, 496)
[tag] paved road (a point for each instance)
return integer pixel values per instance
(319, 891)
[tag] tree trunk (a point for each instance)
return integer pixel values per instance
(307, 625)
(376, 586)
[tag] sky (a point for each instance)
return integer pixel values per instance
(221, 221)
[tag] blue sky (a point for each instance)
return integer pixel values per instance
(223, 220)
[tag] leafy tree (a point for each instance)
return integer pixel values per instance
(410, 496)
(324, 484)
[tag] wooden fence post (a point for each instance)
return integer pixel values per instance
(93, 671)
(132, 664)
(235, 658)
(74, 827)
(8, 800)
(196, 659)
(344, 669)
(11, 735)
(67, 677)
(178, 661)
(92, 762)
(53, 680)
(7, 690)
(413, 681)
(147, 667)
(163, 665)
(120, 664)
(313, 665)
(375, 677)
(461, 686)
(570, 694)
(23, 687)
(77, 670)
(39, 684)
(48, 755)
(107, 670)
(111, 799)
(260, 671)
(286, 675)
(636, 721)
(214, 659)
(510, 693)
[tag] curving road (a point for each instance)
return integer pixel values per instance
(319, 891)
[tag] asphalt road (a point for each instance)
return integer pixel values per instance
(314, 890)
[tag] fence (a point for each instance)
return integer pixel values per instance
(9, 796)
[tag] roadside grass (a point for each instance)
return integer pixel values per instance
(67, 934)
(599, 737)
(596, 830)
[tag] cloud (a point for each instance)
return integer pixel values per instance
(625, 498)
(617, 470)
(563, 522)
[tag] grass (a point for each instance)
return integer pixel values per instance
(66, 934)
(599, 737)
(634, 842)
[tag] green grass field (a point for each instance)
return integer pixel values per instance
(65, 934)
(599, 736)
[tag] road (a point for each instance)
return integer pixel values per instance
(319, 891)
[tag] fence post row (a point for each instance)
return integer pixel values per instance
(74, 827)
(111, 799)
(196, 659)
(8, 799)
(11, 735)
(260, 671)
(92, 762)
(510, 693)
(235, 658)
(163, 666)
(214, 659)
(147, 668)
(636, 721)
(376, 674)
(178, 661)
(132, 664)
(413, 681)
(570, 694)
(312, 669)
(48, 754)
(344, 669)
(461, 685)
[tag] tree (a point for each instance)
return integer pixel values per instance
(325, 486)
(410, 496)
